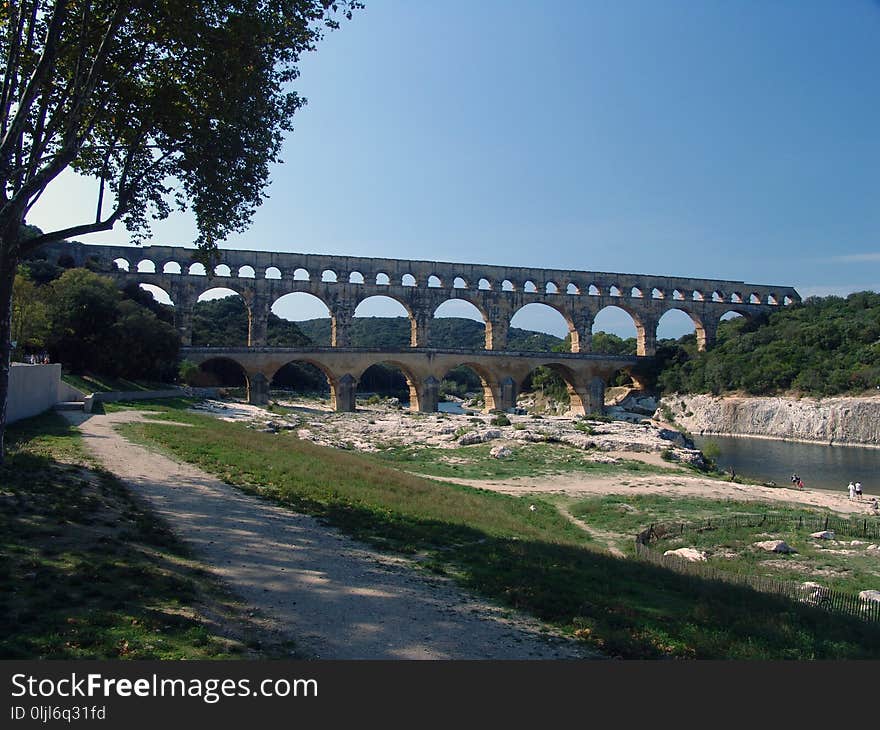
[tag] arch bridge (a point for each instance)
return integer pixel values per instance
(497, 293)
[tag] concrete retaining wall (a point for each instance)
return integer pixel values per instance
(67, 392)
(32, 390)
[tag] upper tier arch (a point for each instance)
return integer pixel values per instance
(421, 286)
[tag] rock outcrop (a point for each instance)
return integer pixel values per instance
(837, 420)
(686, 553)
(873, 596)
(775, 546)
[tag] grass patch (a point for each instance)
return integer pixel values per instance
(832, 563)
(530, 560)
(87, 573)
(629, 514)
(104, 384)
(528, 459)
(163, 407)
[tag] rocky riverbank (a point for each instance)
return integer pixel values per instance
(380, 425)
(838, 420)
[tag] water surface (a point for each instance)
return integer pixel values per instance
(819, 465)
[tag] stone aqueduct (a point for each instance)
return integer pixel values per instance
(497, 292)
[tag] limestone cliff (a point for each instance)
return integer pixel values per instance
(838, 420)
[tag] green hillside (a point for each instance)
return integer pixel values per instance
(224, 323)
(446, 332)
(824, 346)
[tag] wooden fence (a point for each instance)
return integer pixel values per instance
(825, 598)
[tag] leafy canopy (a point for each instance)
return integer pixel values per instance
(166, 103)
(821, 347)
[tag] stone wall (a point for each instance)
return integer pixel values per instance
(261, 278)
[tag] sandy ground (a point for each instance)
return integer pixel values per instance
(673, 485)
(338, 598)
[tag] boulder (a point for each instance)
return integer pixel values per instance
(856, 542)
(823, 535)
(501, 452)
(872, 596)
(479, 437)
(691, 554)
(873, 547)
(530, 436)
(668, 434)
(775, 546)
(813, 592)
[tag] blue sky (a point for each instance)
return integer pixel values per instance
(736, 140)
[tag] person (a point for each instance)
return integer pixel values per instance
(858, 487)
(794, 478)
(800, 483)
(875, 506)
(852, 491)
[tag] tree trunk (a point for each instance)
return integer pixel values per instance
(8, 266)
(10, 227)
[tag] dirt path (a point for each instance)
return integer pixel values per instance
(607, 538)
(338, 598)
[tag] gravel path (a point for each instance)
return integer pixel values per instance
(338, 598)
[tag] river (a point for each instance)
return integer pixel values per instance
(819, 465)
(448, 406)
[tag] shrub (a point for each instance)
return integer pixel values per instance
(188, 372)
(500, 420)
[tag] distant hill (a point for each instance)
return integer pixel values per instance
(223, 323)
(446, 332)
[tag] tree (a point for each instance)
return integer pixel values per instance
(83, 311)
(30, 313)
(164, 103)
(145, 346)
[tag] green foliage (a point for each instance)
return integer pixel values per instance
(146, 347)
(83, 310)
(711, 449)
(188, 372)
(446, 332)
(824, 346)
(30, 314)
(610, 344)
(500, 420)
(549, 383)
(194, 92)
(224, 323)
(88, 325)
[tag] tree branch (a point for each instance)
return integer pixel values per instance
(35, 83)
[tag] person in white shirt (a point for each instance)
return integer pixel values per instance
(852, 491)
(859, 491)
